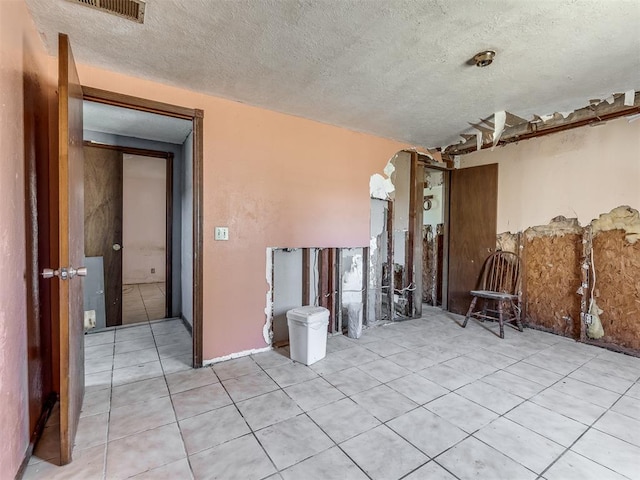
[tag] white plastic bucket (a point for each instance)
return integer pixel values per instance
(308, 334)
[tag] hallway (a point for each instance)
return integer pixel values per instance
(142, 302)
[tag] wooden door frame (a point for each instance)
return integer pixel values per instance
(446, 186)
(197, 117)
(168, 156)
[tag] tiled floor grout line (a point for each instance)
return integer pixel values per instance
(253, 433)
(262, 369)
(506, 412)
(106, 443)
(527, 400)
(175, 414)
(589, 427)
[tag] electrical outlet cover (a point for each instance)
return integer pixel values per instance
(89, 319)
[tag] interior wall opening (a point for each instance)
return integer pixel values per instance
(144, 239)
(138, 207)
(433, 237)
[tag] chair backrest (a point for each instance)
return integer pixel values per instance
(502, 273)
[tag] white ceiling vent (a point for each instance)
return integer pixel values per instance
(131, 9)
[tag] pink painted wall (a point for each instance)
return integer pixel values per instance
(20, 46)
(274, 180)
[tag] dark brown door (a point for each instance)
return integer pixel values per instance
(472, 230)
(103, 222)
(68, 229)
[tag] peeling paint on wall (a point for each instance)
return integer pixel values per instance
(620, 218)
(381, 187)
(507, 242)
(267, 334)
(557, 227)
(231, 356)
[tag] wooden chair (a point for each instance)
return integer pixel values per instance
(499, 287)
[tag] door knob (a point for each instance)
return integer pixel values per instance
(64, 273)
(49, 273)
(116, 246)
(81, 271)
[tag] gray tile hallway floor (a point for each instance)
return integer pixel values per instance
(142, 302)
(422, 399)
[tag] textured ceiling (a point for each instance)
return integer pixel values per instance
(395, 68)
(100, 117)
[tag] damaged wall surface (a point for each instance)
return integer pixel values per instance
(261, 178)
(578, 174)
(552, 276)
(616, 262)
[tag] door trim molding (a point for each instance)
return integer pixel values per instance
(197, 117)
(121, 100)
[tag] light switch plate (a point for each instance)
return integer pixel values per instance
(221, 233)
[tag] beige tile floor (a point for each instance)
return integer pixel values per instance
(142, 302)
(421, 399)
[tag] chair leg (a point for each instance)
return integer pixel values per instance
(484, 309)
(470, 311)
(501, 317)
(516, 311)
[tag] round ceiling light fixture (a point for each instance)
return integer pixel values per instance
(484, 59)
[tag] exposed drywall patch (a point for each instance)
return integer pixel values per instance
(499, 120)
(629, 97)
(267, 332)
(558, 227)
(231, 356)
(617, 287)
(620, 218)
(381, 187)
(507, 242)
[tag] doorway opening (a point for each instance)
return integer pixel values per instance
(146, 249)
(435, 193)
(128, 232)
(151, 259)
(408, 254)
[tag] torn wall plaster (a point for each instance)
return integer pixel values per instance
(390, 167)
(433, 178)
(377, 255)
(267, 332)
(620, 218)
(499, 119)
(629, 97)
(489, 132)
(381, 187)
(231, 356)
(558, 227)
(352, 295)
(507, 242)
